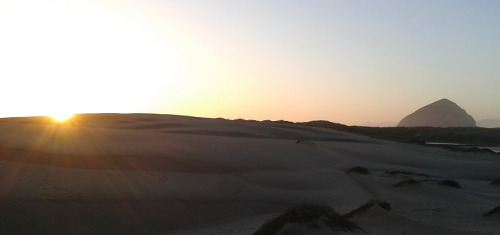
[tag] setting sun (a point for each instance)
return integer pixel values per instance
(62, 117)
(72, 49)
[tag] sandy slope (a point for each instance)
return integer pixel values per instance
(139, 173)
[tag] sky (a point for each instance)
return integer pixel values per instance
(349, 61)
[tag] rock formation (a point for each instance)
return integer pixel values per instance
(442, 113)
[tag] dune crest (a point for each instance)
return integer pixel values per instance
(164, 174)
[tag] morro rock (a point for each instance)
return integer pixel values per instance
(442, 113)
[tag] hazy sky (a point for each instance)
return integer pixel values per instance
(344, 61)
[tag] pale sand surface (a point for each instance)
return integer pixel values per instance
(164, 174)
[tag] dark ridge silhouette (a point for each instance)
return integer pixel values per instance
(472, 136)
(442, 113)
(466, 135)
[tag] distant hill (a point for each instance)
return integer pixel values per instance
(442, 113)
(489, 123)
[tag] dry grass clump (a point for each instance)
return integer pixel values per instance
(494, 211)
(359, 170)
(405, 182)
(384, 205)
(495, 182)
(403, 173)
(450, 183)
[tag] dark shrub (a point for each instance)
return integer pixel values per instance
(495, 182)
(494, 211)
(405, 182)
(359, 170)
(384, 205)
(308, 215)
(404, 173)
(450, 183)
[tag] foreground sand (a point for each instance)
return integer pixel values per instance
(162, 174)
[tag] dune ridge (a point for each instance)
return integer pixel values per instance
(163, 174)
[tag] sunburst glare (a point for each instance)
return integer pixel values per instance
(62, 117)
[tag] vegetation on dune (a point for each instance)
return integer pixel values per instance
(494, 211)
(403, 173)
(367, 206)
(384, 205)
(495, 182)
(359, 170)
(450, 183)
(311, 216)
(405, 182)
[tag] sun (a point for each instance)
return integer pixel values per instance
(73, 48)
(62, 117)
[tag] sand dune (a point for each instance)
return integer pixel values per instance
(164, 174)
